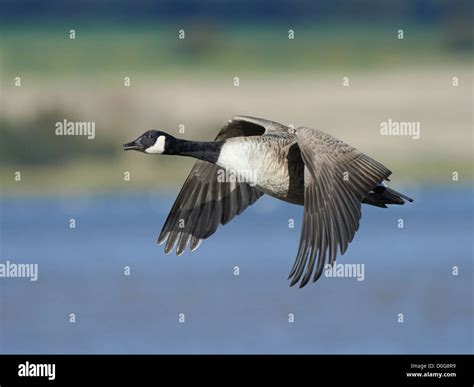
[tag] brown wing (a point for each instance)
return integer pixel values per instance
(337, 178)
(204, 202)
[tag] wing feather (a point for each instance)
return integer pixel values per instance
(337, 178)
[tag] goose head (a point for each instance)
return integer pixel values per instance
(152, 141)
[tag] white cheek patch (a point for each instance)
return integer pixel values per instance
(158, 147)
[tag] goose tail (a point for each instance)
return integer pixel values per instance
(382, 195)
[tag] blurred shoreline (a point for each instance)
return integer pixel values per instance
(190, 83)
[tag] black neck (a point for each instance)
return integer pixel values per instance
(207, 151)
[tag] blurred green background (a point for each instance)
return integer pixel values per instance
(190, 82)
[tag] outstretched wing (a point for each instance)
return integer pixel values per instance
(204, 202)
(337, 178)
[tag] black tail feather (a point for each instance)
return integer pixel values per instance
(382, 195)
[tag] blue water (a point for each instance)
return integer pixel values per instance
(81, 271)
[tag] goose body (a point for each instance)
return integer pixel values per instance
(271, 164)
(303, 166)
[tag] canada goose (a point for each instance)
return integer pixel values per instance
(302, 166)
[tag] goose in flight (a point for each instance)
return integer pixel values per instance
(304, 166)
